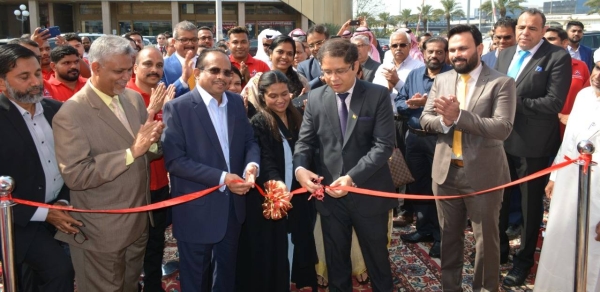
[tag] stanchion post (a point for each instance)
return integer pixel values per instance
(6, 233)
(585, 148)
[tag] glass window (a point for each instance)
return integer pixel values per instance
(151, 8)
(91, 26)
(285, 27)
(124, 8)
(124, 27)
(228, 9)
(187, 8)
(152, 28)
(271, 8)
(90, 9)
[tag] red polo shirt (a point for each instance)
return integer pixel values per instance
(254, 65)
(47, 74)
(61, 92)
(158, 171)
(580, 77)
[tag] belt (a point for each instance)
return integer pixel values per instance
(457, 162)
(419, 132)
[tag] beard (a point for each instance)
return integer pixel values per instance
(434, 66)
(70, 77)
(26, 96)
(574, 40)
(469, 65)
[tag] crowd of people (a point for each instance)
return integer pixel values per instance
(111, 124)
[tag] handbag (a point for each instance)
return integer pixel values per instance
(400, 173)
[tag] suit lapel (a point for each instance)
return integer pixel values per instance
(503, 63)
(202, 112)
(331, 111)
(535, 59)
(15, 117)
(356, 103)
(315, 69)
(48, 112)
(479, 86)
(105, 114)
(175, 65)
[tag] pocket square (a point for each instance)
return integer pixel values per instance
(539, 69)
(365, 118)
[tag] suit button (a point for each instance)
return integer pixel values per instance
(39, 188)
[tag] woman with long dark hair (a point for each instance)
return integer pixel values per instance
(281, 52)
(269, 248)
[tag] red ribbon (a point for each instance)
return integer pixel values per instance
(196, 195)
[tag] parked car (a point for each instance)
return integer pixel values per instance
(591, 39)
(151, 38)
(384, 43)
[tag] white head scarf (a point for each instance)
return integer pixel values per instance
(260, 52)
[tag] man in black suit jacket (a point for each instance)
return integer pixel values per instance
(369, 66)
(543, 82)
(355, 143)
(28, 156)
(311, 69)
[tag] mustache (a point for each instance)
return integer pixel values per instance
(153, 74)
(73, 71)
(458, 59)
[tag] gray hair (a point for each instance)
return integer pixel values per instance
(362, 38)
(185, 26)
(401, 32)
(106, 46)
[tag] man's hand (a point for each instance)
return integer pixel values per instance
(251, 173)
(307, 179)
(40, 35)
(549, 189)
(187, 68)
(391, 75)
(236, 184)
(61, 41)
(149, 133)
(345, 180)
(160, 96)
(245, 72)
(563, 118)
(62, 220)
(447, 107)
(417, 101)
(598, 232)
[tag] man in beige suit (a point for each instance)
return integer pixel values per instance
(104, 141)
(472, 108)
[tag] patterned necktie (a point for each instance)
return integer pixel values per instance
(514, 70)
(343, 112)
(114, 106)
(461, 96)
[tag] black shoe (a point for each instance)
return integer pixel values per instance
(403, 220)
(416, 237)
(435, 252)
(516, 277)
(503, 258)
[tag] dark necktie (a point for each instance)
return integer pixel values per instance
(343, 112)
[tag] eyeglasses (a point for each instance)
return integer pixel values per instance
(402, 45)
(79, 237)
(316, 44)
(217, 71)
(186, 40)
(329, 73)
(503, 37)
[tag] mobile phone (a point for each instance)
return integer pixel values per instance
(54, 31)
(355, 22)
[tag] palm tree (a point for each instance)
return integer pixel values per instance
(384, 19)
(427, 13)
(451, 9)
(406, 16)
(504, 5)
(368, 17)
(594, 6)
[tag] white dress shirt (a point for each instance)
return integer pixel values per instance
(574, 53)
(405, 67)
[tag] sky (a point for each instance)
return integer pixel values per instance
(393, 6)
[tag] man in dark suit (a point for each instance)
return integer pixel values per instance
(311, 68)
(577, 50)
(504, 37)
(368, 65)
(178, 67)
(208, 141)
(542, 73)
(472, 109)
(28, 157)
(352, 123)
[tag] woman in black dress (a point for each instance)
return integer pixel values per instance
(263, 263)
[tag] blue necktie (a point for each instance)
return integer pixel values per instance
(343, 112)
(514, 70)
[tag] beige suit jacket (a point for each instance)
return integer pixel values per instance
(90, 144)
(486, 123)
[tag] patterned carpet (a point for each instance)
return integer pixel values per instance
(412, 268)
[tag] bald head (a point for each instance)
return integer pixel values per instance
(148, 67)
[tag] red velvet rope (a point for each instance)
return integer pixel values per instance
(192, 196)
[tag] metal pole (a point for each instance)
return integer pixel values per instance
(6, 233)
(219, 18)
(480, 15)
(584, 147)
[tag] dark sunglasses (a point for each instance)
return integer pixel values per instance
(402, 45)
(217, 71)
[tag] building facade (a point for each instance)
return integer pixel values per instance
(151, 17)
